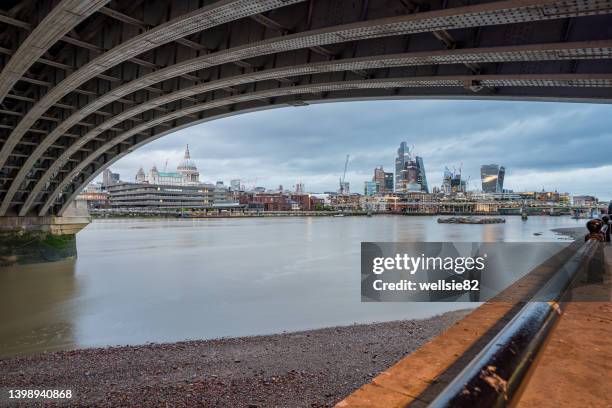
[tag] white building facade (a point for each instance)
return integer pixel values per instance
(186, 174)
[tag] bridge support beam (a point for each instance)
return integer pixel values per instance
(34, 239)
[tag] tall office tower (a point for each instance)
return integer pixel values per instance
(458, 185)
(299, 188)
(379, 178)
(383, 179)
(235, 185)
(422, 176)
(403, 156)
(109, 178)
(446, 181)
(388, 182)
(492, 177)
(412, 176)
(409, 171)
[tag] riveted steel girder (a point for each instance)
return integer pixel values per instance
(125, 74)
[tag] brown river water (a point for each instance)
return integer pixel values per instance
(143, 280)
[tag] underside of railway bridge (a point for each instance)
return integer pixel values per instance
(83, 83)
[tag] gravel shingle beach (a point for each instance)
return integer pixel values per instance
(315, 368)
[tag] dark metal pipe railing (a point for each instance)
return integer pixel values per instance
(495, 374)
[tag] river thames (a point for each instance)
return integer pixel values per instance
(150, 280)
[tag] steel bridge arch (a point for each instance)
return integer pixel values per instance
(570, 80)
(86, 178)
(51, 29)
(201, 19)
(559, 37)
(466, 16)
(580, 50)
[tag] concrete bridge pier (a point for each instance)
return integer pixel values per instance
(33, 239)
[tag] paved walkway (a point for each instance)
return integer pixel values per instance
(575, 367)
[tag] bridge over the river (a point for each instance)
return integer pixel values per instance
(84, 83)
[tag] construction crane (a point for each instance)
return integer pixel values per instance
(166, 165)
(342, 180)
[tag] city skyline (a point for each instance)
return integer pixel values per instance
(253, 147)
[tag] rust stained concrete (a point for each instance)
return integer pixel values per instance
(575, 367)
(577, 359)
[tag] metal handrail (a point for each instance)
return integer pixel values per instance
(494, 375)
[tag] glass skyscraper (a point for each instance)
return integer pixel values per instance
(383, 179)
(403, 156)
(409, 171)
(388, 182)
(371, 188)
(422, 180)
(492, 177)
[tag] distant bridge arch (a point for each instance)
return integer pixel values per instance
(82, 86)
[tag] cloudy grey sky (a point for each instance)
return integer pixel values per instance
(562, 146)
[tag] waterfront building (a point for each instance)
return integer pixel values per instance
(378, 204)
(109, 178)
(383, 179)
(303, 202)
(371, 188)
(321, 198)
(162, 190)
(307, 202)
(418, 196)
(505, 196)
(345, 202)
(543, 196)
(564, 198)
(270, 202)
(409, 171)
(584, 201)
(160, 197)
(164, 177)
(221, 193)
(94, 195)
(547, 196)
(492, 177)
(186, 174)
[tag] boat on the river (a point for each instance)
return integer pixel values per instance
(471, 220)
